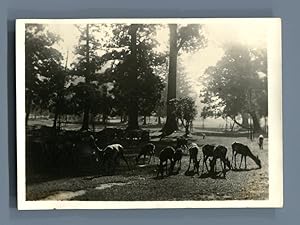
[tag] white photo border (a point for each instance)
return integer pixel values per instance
(275, 154)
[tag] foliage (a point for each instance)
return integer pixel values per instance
(140, 84)
(190, 37)
(88, 93)
(184, 85)
(186, 111)
(237, 84)
(42, 60)
(182, 38)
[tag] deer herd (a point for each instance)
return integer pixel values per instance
(110, 156)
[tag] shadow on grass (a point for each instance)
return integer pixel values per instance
(217, 175)
(244, 170)
(190, 173)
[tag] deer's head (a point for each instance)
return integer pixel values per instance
(258, 162)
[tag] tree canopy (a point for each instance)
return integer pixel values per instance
(237, 84)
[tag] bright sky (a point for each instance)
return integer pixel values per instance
(217, 33)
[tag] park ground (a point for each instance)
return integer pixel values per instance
(141, 184)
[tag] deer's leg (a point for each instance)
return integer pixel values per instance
(235, 154)
(206, 164)
(221, 163)
(167, 167)
(241, 161)
(245, 162)
(189, 164)
(203, 164)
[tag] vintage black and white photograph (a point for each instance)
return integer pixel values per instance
(149, 113)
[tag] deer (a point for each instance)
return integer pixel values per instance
(177, 158)
(244, 151)
(219, 152)
(261, 141)
(208, 151)
(110, 156)
(181, 142)
(165, 154)
(146, 150)
(193, 152)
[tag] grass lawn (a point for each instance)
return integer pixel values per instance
(141, 184)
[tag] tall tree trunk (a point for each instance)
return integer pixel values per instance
(125, 119)
(85, 123)
(232, 126)
(256, 124)
(159, 120)
(245, 118)
(187, 131)
(86, 112)
(55, 120)
(171, 124)
(59, 121)
(93, 122)
(133, 104)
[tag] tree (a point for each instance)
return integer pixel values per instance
(54, 86)
(87, 63)
(238, 84)
(132, 71)
(183, 83)
(150, 88)
(40, 59)
(186, 111)
(182, 38)
(205, 113)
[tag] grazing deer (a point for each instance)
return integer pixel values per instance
(166, 154)
(193, 152)
(208, 151)
(177, 158)
(219, 152)
(261, 141)
(146, 150)
(110, 156)
(244, 151)
(182, 143)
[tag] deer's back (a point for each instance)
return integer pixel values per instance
(241, 148)
(167, 153)
(220, 151)
(208, 150)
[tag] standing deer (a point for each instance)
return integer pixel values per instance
(219, 152)
(181, 142)
(177, 158)
(146, 150)
(110, 156)
(193, 152)
(166, 154)
(261, 141)
(208, 151)
(244, 151)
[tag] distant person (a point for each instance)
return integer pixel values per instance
(261, 141)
